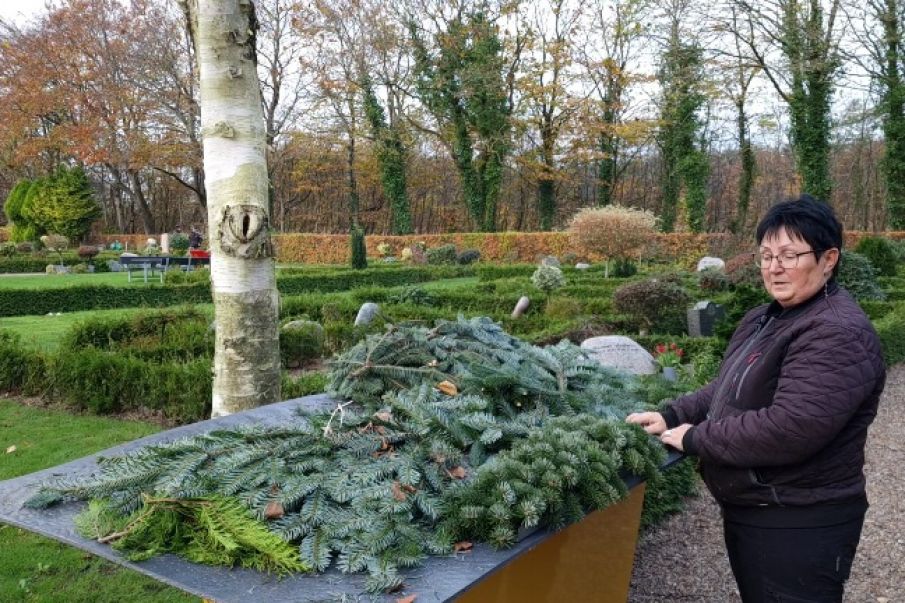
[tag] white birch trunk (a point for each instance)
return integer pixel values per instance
(246, 353)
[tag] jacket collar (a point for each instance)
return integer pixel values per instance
(775, 310)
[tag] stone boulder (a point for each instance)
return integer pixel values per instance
(366, 314)
(619, 352)
(521, 306)
(709, 262)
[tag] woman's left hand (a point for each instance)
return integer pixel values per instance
(673, 437)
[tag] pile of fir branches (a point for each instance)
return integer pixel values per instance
(440, 434)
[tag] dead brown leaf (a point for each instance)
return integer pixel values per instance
(457, 473)
(385, 416)
(398, 494)
(463, 547)
(407, 599)
(273, 510)
(448, 387)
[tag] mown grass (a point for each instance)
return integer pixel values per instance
(34, 568)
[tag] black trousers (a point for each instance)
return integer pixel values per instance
(792, 565)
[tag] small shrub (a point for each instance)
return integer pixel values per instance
(713, 279)
(179, 277)
(882, 254)
(612, 231)
(469, 256)
(8, 250)
(656, 304)
(79, 268)
(55, 243)
(384, 249)
(857, 275)
(743, 298)
(179, 243)
(300, 342)
(548, 278)
(21, 370)
(444, 254)
(569, 258)
(742, 271)
(413, 295)
(87, 252)
(624, 268)
(890, 329)
(25, 247)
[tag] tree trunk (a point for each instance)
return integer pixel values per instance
(246, 353)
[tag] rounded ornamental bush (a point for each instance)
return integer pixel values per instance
(881, 252)
(179, 243)
(713, 279)
(87, 252)
(300, 342)
(656, 304)
(548, 278)
(468, 256)
(612, 231)
(444, 254)
(857, 275)
(8, 250)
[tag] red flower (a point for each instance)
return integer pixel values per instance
(660, 348)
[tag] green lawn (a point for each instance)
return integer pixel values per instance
(33, 568)
(62, 281)
(45, 332)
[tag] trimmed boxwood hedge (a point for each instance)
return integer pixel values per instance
(18, 302)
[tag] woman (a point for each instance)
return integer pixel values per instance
(780, 432)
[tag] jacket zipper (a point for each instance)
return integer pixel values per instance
(738, 390)
(720, 398)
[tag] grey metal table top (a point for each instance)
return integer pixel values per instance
(438, 579)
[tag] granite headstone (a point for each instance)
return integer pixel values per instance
(617, 351)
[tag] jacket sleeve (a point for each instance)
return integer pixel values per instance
(828, 372)
(690, 408)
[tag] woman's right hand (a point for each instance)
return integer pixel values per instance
(652, 422)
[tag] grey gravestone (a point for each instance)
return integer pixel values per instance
(709, 262)
(550, 261)
(703, 316)
(521, 306)
(582, 266)
(366, 314)
(617, 351)
(114, 266)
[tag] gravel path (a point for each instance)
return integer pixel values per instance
(684, 560)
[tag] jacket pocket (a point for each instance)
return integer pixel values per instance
(735, 485)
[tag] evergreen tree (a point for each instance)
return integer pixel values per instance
(63, 204)
(359, 251)
(391, 156)
(23, 228)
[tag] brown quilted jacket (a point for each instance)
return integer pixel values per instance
(785, 421)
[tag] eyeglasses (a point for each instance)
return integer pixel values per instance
(786, 259)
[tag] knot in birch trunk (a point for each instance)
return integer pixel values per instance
(243, 232)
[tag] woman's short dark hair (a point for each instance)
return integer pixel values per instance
(806, 218)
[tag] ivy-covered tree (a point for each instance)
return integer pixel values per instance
(391, 156)
(889, 56)
(685, 164)
(461, 80)
(806, 36)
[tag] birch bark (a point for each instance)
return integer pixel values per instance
(246, 354)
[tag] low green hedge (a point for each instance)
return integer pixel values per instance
(107, 382)
(19, 302)
(22, 370)
(891, 329)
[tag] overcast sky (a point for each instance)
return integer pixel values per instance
(20, 10)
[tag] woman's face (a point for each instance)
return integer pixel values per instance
(792, 285)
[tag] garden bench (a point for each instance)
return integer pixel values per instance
(154, 266)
